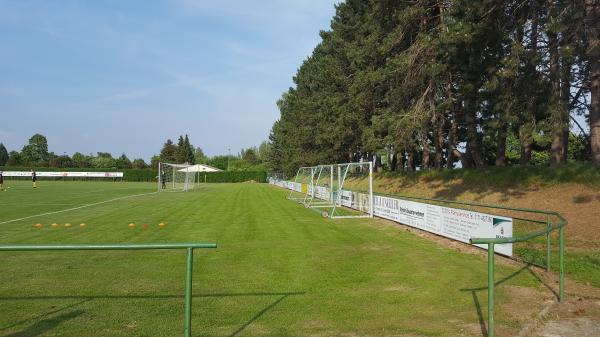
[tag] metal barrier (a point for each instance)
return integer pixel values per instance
(189, 262)
(491, 242)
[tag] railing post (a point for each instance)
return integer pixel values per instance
(548, 243)
(188, 293)
(561, 263)
(490, 289)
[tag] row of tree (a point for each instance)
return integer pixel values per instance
(441, 84)
(182, 152)
(250, 159)
(36, 154)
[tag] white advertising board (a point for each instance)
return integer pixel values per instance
(64, 174)
(453, 223)
(322, 193)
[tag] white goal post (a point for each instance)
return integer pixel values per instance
(335, 190)
(175, 177)
(302, 184)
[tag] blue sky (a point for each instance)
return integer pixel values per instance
(122, 76)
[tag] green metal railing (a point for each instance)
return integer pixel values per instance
(491, 242)
(189, 262)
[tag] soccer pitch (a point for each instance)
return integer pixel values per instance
(280, 269)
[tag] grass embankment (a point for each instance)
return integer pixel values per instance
(280, 270)
(573, 190)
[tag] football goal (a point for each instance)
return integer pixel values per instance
(175, 177)
(335, 190)
(302, 184)
(353, 190)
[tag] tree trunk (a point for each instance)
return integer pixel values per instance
(410, 164)
(558, 152)
(438, 139)
(425, 163)
(526, 129)
(453, 152)
(592, 28)
(401, 160)
(564, 105)
(526, 144)
(501, 146)
(474, 152)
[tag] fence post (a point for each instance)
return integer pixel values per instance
(188, 293)
(561, 263)
(548, 243)
(490, 289)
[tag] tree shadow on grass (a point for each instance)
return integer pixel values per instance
(46, 325)
(473, 291)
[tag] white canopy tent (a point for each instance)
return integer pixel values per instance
(200, 168)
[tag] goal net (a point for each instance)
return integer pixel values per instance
(335, 190)
(175, 177)
(301, 187)
(353, 190)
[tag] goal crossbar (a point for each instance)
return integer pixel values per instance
(175, 177)
(323, 187)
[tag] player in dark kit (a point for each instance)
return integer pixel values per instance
(33, 178)
(1, 181)
(163, 180)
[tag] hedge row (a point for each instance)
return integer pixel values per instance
(234, 176)
(151, 174)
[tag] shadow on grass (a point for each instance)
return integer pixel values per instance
(45, 314)
(258, 315)
(96, 297)
(47, 324)
(474, 291)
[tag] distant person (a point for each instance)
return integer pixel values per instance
(33, 178)
(1, 181)
(163, 180)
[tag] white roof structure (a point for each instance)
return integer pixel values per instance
(200, 168)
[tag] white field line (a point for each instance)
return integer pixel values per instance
(76, 208)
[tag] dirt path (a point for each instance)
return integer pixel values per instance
(577, 316)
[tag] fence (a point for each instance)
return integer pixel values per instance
(189, 262)
(553, 221)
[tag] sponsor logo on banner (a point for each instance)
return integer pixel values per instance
(453, 223)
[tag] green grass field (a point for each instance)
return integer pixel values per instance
(280, 270)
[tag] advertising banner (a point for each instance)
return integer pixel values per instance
(453, 223)
(64, 174)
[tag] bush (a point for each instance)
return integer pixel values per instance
(139, 174)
